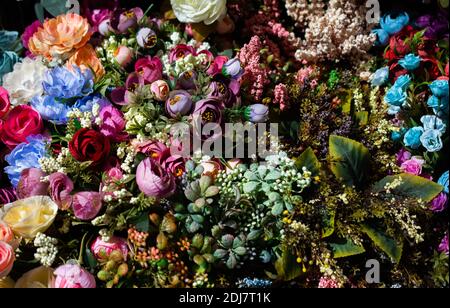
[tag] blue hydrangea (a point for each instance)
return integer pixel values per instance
(65, 83)
(380, 77)
(51, 110)
(412, 137)
(443, 180)
(394, 25)
(410, 62)
(26, 155)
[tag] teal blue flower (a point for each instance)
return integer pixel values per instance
(431, 122)
(403, 82)
(395, 96)
(7, 61)
(382, 37)
(410, 62)
(443, 180)
(380, 77)
(412, 137)
(394, 25)
(439, 88)
(431, 140)
(8, 40)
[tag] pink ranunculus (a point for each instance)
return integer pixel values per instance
(7, 257)
(149, 68)
(72, 276)
(102, 250)
(217, 65)
(113, 124)
(153, 180)
(114, 174)
(160, 90)
(403, 156)
(180, 51)
(175, 164)
(413, 166)
(154, 149)
(30, 184)
(6, 234)
(61, 187)
(97, 16)
(86, 205)
(5, 104)
(29, 32)
(123, 56)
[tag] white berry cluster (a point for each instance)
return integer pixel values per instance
(46, 249)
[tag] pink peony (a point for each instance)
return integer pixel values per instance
(160, 90)
(29, 32)
(71, 276)
(30, 184)
(61, 186)
(113, 124)
(87, 205)
(154, 149)
(413, 166)
(102, 250)
(180, 51)
(123, 56)
(153, 180)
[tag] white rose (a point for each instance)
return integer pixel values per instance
(25, 81)
(195, 11)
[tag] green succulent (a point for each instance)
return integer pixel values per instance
(232, 250)
(201, 251)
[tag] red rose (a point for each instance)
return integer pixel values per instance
(89, 145)
(397, 47)
(21, 122)
(4, 102)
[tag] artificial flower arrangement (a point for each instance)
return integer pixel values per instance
(101, 188)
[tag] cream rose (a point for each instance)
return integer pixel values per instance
(38, 278)
(195, 11)
(28, 217)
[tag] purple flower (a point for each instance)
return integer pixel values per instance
(30, 184)
(443, 246)
(7, 195)
(146, 38)
(123, 21)
(439, 203)
(208, 112)
(153, 180)
(179, 103)
(257, 113)
(220, 90)
(187, 80)
(403, 156)
(437, 26)
(86, 205)
(413, 166)
(233, 69)
(113, 124)
(61, 186)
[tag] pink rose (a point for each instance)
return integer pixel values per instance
(29, 32)
(181, 51)
(6, 234)
(30, 184)
(153, 180)
(413, 166)
(4, 102)
(102, 250)
(21, 122)
(86, 205)
(113, 124)
(217, 65)
(61, 186)
(7, 257)
(71, 276)
(160, 90)
(123, 56)
(150, 69)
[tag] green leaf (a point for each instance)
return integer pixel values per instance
(287, 266)
(362, 117)
(411, 186)
(240, 251)
(199, 260)
(250, 187)
(309, 160)
(278, 208)
(142, 222)
(227, 53)
(231, 262)
(273, 175)
(328, 223)
(345, 248)
(254, 235)
(55, 7)
(389, 245)
(348, 160)
(220, 253)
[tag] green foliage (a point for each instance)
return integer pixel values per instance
(389, 245)
(232, 249)
(343, 248)
(309, 160)
(287, 266)
(348, 160)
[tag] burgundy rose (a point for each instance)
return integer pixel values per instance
(89, 145)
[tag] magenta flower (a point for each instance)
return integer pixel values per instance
(113, 124)
(102, 250)
(149, 68)
(174, 164)
(29, 32)
(181, 51)
(413, 166)
(403, 156)
(87, 205)
(61, 186)
(443, 246)
(7, 195)
(153, 180)
(31, 184)
(72, 276)
(439, 203)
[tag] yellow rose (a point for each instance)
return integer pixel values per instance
(37, 278)
(28, 217)
(6, 283)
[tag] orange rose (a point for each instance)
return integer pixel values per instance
(86, 58)
(61, 36)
